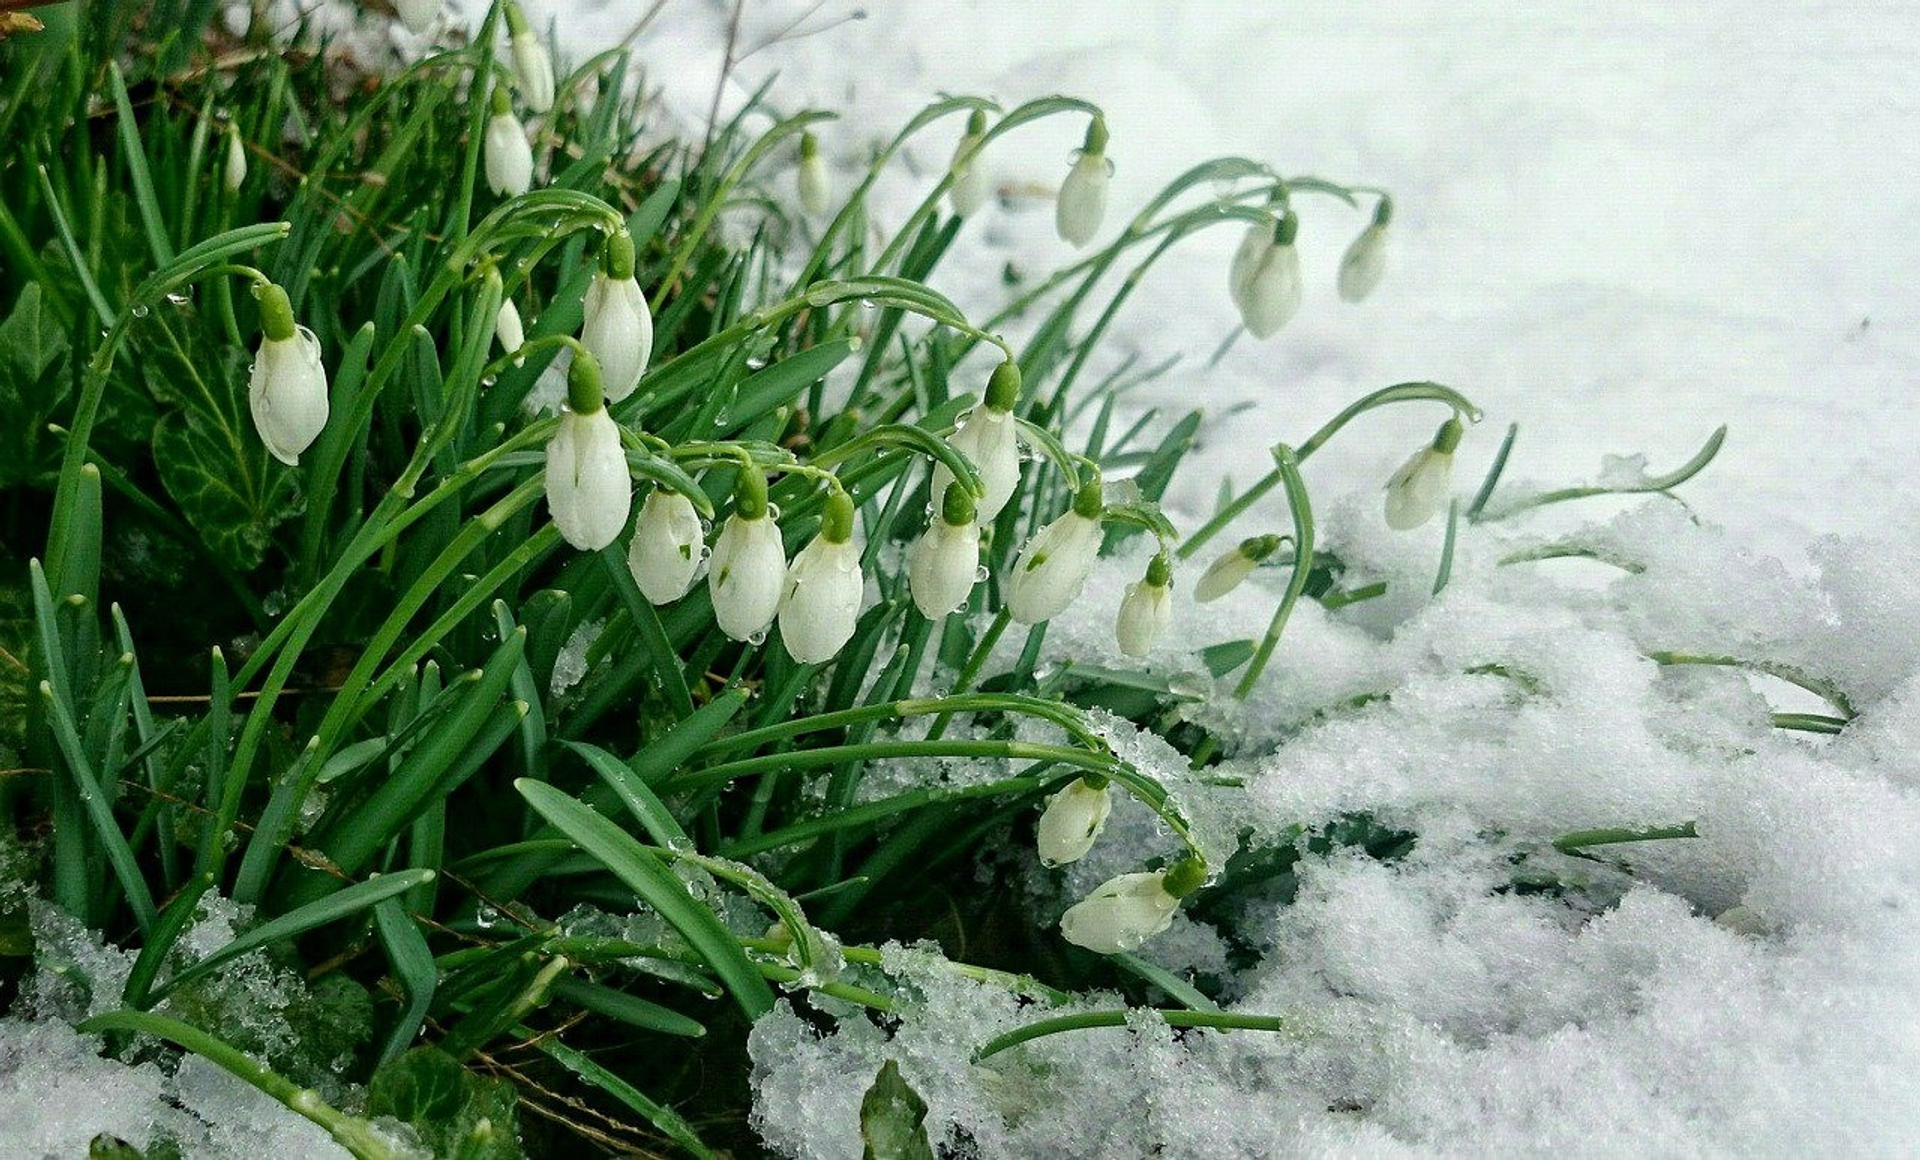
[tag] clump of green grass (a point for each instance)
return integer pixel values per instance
(326, 689)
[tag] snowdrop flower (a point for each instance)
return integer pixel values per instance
(986, 436)
(588, 489)
(1146, 609)
(1073, 819)
(287, 390)
(1126, 911)
(667, 543)
(615, 323)
(944, 563)
(812, 177)
(1083, 196)
(1366, 259)
(824, 587)
(1053, 567)
(509, 155)
(971, 184)
(749, 568)
(532, 63)
(508, 329)
(1246, 263)
(236, 168)
(417, 15)
(1268, 291)
(1419, 488)
(1234, 565)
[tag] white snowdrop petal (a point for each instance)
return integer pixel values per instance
(1145, 612)
(1120, 914)
(589, 491)
(1072, 820)
(1272, 295)
(665, 554)
(1224, 575)
(1419, 489)
(747, 576)
(533, 71)
(822, 602)
(972, 184)
(617, 326)
(509, 156)
(1053, 568)
(942, 567)
(1364, 263)
(287, 394)
(988, 438)
(1083, 199)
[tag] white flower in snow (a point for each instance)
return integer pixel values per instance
(824, 589)
(418, 15)
(509, 156)
(287, 391)
(1234, 565)
(667, 542)
(971, 182)
(615, 322)
(987, 437)
(1053, 566)
(589, 490)
(944, 563)
(1269, 293)
(236, 173)
(811, 177)
(1074, 817)
(748, 572)
(1083, 196)
(1366, 259)
(532, 63)
(508, 329)
(1246, 262)
(1146, 609)
(1419, 489)
(1126, 911)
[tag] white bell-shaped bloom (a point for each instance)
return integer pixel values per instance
(1073, 818)
(417, 15)
(944, 563)
(287, 391)
(588, 488)
(236, 168)
(1083, 199)
(615, 322)
(667, 547)
(972, 183)
(532, 63)
(1366, 259)
(811, 178)
(824, 589)
(509, 155)
(1053, 567)
(507, 328)
(1234, 565)
(748, 573)
(1254, 245)
(1270, 292)
(988, 437)
(1145, 610)
(1419, 489)
(1120, 914)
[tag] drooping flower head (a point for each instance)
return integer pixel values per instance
(1083, 196)
(1126, 911)
(1266, 285)
(944, 563)
(1366, 259)
(988, 437)
(532, 63)
(1419, 489)
(1072, 820)
(668, 546)
(1233, 566)
(287, 391)
(1053, 567)
(615, 322)
(748, 572)
(509, 155)
(811, 177)
(824, 588)
(1146, 609)
(971, 182)
(236, 167)
(589, 490)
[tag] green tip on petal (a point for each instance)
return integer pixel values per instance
(750, 493)
(276, 312)
(836, 524)
(1088, 501)
(585, 392)
(1003, 389)
(1448, 437)
(957, 507)
(1187, 876)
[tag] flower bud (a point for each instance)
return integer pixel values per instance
(1074, 817)
(509, 156)
(1146, 609)
(287, 391)
(589, 490)
(1270, 292)
(417, 15)
(532, 63)
(1083, 196)
(1121, 913)
(665, 554)
(1234, 565)
(987, 437)
(508, 330)
(971, 182)
(1053, 567)
(812, 177)
(748, 573)
(1419, 489)
(236, 173)
(824, 589)
(944, 563)
(1254, 245)
(615, 322)
(1366, 259)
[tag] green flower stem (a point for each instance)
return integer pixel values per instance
(1820, 687)
(868, 813)
(833, 755)
(1398, 393)
(874, 957)
(1288, 466)
(1582, 839)
(1219, 1020)
(971, 670)
(1659, 484)
(1052, 711)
